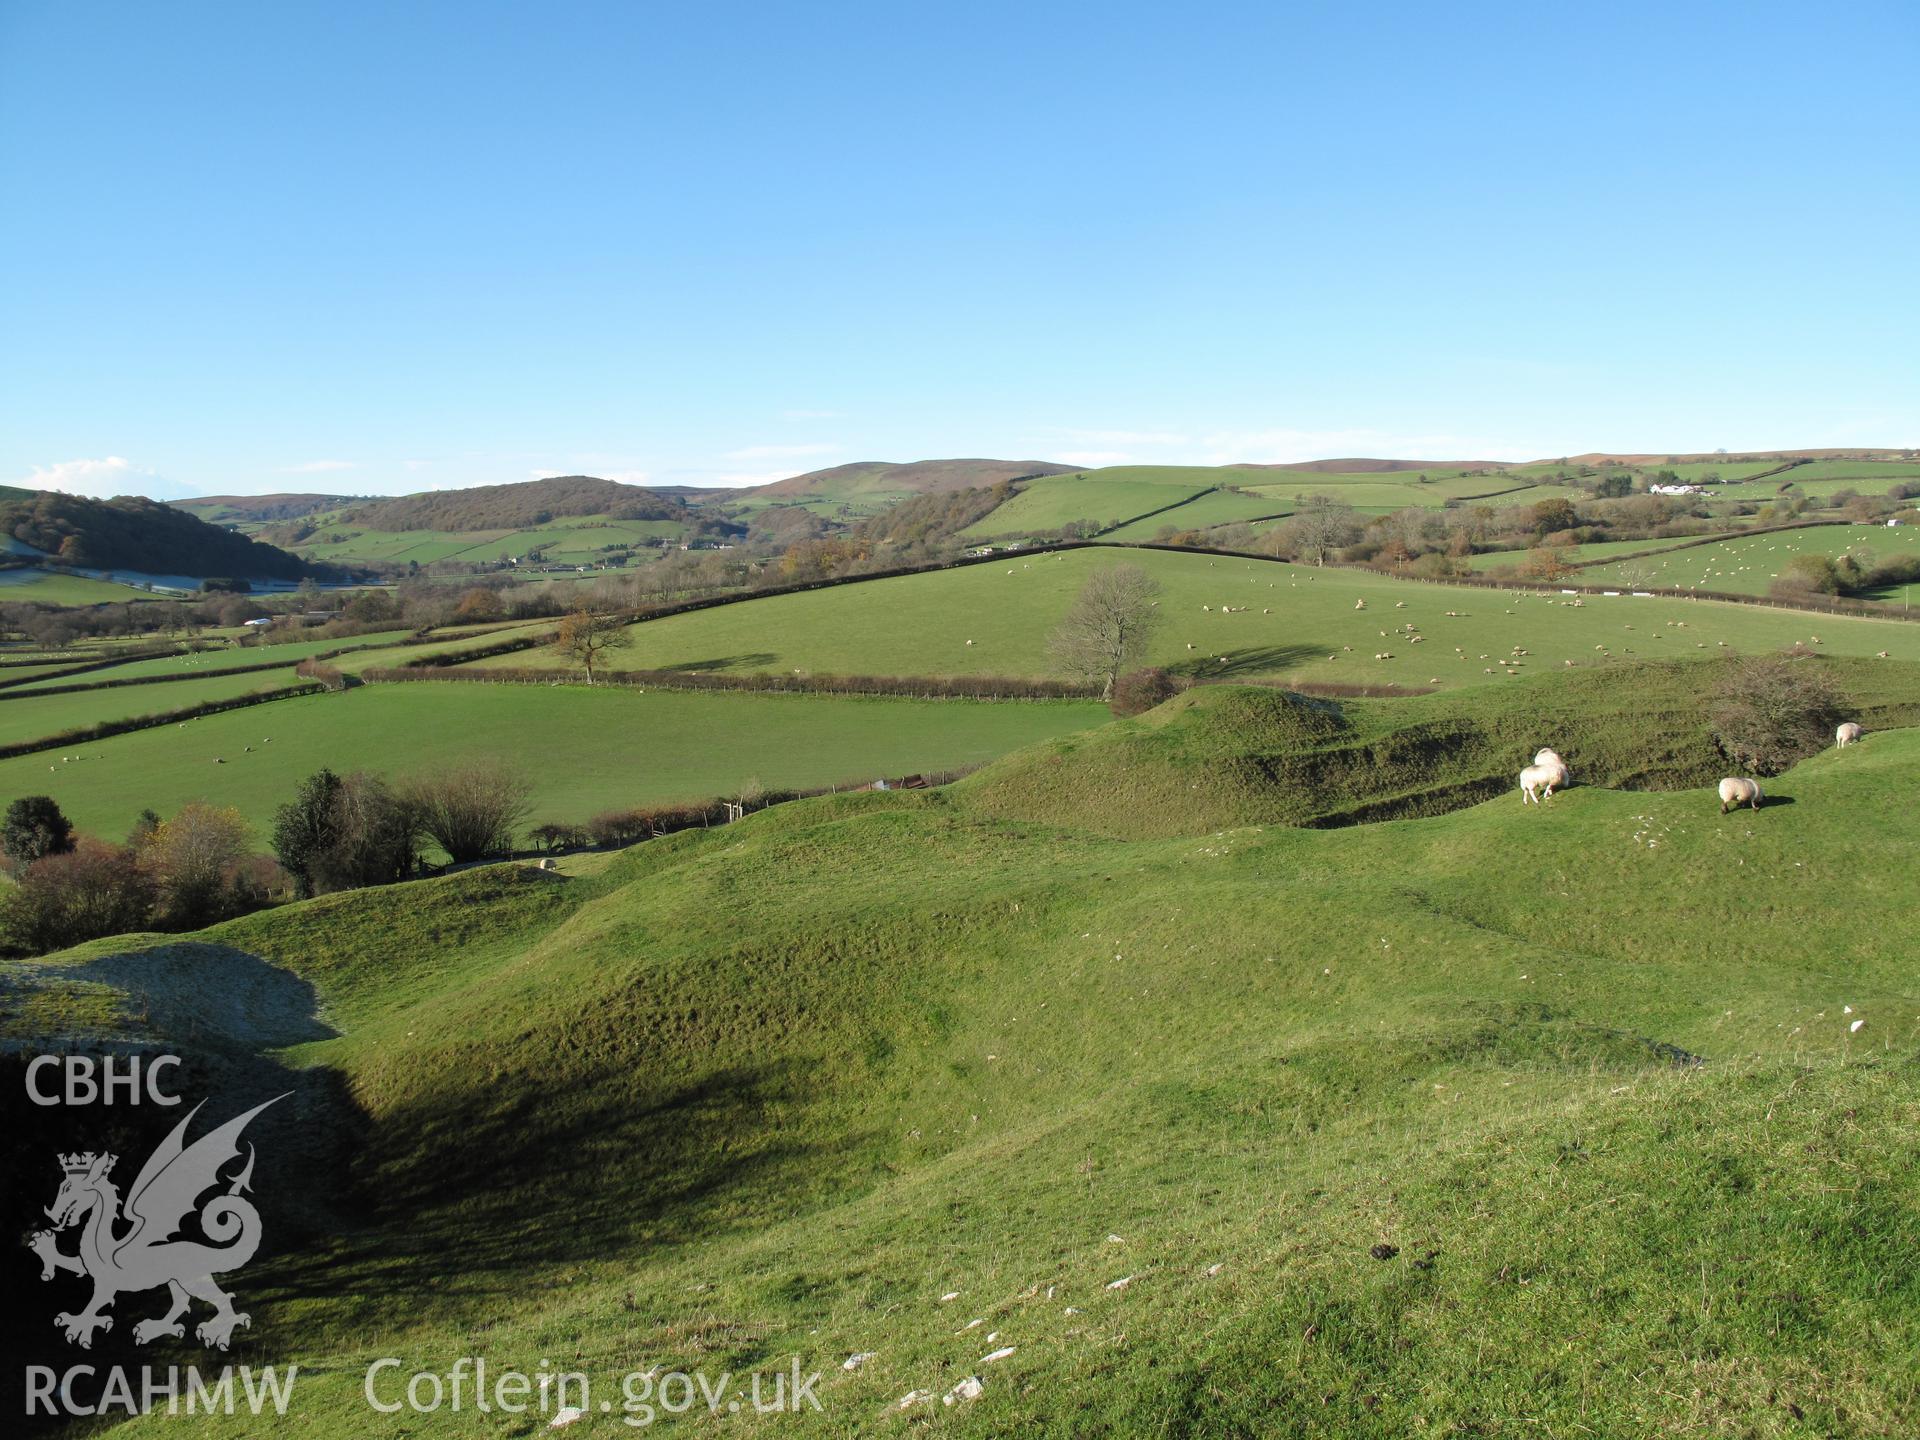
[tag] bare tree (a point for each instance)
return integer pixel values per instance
(1322, 524)
(585, 638)
(1107, 628)
(472, 810)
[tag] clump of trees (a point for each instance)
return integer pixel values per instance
(343, 832)
(174, 874)
(1108, 627)
(1770, 712)
(1858, 572)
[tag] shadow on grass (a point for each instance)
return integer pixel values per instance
(478, 1194)
(757, 661)
(1253, 660)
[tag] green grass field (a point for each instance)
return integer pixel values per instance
(31, 715)
(210, 662)
(1891, 471)
(51, 587)
(1102, 498)
(1748, 565)
(1693, 472)
(586, 750)
(1572, 554)
(1507, 1122)
(1297, 622)
(1220, 507)
(574, 540)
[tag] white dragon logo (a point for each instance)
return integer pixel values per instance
(147, 1255)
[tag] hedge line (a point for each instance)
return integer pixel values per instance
(921, 687)
(155, 652)
(411, 638)
(80, 735)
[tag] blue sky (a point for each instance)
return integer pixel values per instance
(374, 248)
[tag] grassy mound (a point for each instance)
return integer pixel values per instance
(1222, 756)
(1582, 1074)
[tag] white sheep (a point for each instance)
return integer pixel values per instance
(1847, 734)
(1735, 792)
(1537, 782)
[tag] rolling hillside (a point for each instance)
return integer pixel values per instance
(517, 506)
(134, 534)
(1236, 1131)
(869, 478)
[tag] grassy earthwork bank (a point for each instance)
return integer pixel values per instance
(1505, 1122)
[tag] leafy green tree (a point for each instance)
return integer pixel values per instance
(307, 827)
(34, 828)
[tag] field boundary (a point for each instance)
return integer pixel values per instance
(414, 637)
(107, 729)
(906, 687)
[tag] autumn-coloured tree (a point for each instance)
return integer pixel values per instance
(585, 638)
(192, 858)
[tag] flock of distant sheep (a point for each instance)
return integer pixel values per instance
(1549, 773)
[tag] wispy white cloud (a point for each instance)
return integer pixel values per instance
(781, 452)
(317, 467)
(103, 478)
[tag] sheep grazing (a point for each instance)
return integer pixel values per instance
(1537, 782)
(1847, 734)
(1548, 757)
(1735, 792)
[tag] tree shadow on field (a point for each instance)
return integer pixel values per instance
(1263, 660)
(476, 1194)
(757, 661)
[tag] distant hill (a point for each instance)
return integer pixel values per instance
(916, 477)
(258, 509)
(1371, 467)
(130, 532)
(517, 506)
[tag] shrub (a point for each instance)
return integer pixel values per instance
(1769, 712)
(327, 675)
(194, 859)
(473, 810)
(1141, 690)
(555, 836)
(82, 893)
